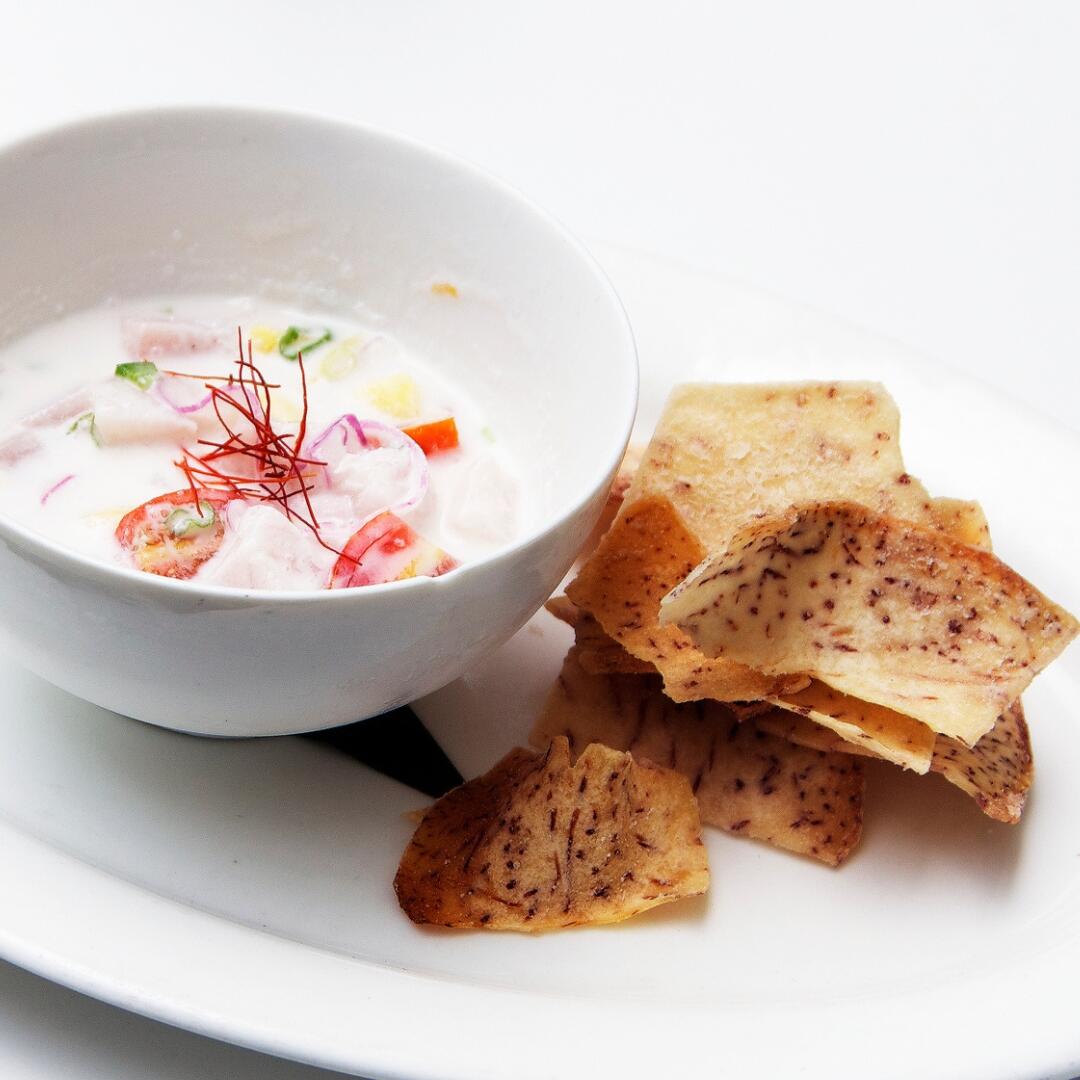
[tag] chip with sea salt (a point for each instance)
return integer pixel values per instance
(996, 772)
(644, 554)
(540, 843)
(893, 736)
(961, 519)
(747, 782)
(878, 608)
(721, 455)
(724, 454)
(598, 653)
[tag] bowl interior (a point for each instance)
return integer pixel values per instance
(338, 218)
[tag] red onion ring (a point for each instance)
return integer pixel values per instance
(373, 435)
(159, 388)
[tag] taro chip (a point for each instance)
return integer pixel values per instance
(598, 653)
(880, 731)
(644, 554)
(539, 843)
(720, 456)
(996, 772)
(747, 782)
(877, 608)
(962, 520)
(725, 454)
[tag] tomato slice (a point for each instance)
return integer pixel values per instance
(172, 536)
(436, 436)
(387, 549)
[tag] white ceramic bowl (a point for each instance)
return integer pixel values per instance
(324, 215)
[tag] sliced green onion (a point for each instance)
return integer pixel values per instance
(301, 339)
(183, 521)
(87, 421)
(142, 373)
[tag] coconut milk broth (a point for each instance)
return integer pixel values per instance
(472, 504)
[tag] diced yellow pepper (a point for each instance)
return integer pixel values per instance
(396, 395)
(264, 339)
(444, 288)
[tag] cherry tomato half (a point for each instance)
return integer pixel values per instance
(172, 536)
(387, 549)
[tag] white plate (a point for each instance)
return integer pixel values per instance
(243, 889)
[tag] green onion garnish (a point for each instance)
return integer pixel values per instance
(183, 521)
(142, 373)
(301, 339)
(87, 421)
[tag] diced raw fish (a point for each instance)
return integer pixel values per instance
(264, 550)
(359, 485)
(148, 338)
(485, 507)
(125, 414)
(67, 408)
(17, 446)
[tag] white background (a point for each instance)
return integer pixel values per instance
(913, 167)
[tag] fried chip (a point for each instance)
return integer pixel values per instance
(880, 731)
(747, 782)
(962, 520)
(996, 772)
(564, 609)
(538, 843)
(878, 608)
(720, 456)
(725, 454)
(644, 554)
(616, 494)
(598, 653)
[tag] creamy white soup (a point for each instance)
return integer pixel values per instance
(226, 442)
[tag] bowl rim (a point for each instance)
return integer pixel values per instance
(34, 141)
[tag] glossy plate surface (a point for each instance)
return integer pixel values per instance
(243, 889)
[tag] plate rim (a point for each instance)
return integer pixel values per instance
(38, 934)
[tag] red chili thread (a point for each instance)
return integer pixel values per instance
(277, 466)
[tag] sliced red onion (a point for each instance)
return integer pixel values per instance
(358, 435)
(159, 389)
(55, 488)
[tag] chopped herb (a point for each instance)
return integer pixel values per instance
(142, 373)
(87, 421)
(185, 520)
(301, 339)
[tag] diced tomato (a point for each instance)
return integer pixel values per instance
(436, 436)
(174, 548)
(387, 549)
